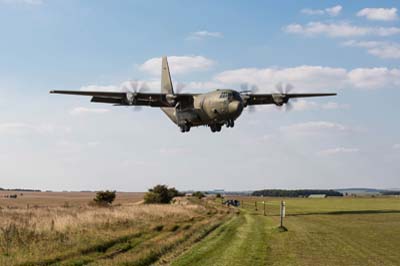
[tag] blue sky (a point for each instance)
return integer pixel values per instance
(66, 143)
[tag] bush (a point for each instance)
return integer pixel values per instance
(161, 194)
(218, 195)
(105, 197)
(198, 194)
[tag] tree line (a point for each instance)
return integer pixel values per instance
(295, 193)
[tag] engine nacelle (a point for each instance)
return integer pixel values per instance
(171, 99)
(130, 98)
(279, 99)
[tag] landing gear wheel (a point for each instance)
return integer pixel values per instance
(230, 123)
(216, 127)
(185, 128)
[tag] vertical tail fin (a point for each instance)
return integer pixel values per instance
(166, 83)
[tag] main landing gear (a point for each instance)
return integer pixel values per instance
(185, 128)
(218, 127)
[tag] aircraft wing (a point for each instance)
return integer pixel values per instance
(129, 98)
(278, 98)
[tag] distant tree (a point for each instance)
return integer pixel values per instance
(105, 197)
(218, 195)
(161, 194)
(198, 194)
(391, 193)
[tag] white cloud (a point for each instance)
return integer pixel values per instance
(396, 147)
(141, 85)
(309, 11)
(334, 11)
(304, 105)
(199, 86)
(203, 34)
(339, 150)
(84, 110)
(302, 77)
(380, 49)
(341, 29)
(93, 144)
(99, 88)
(27, 2)
(331, 11)
(374, 78)
(312, 78)
(178, 64)
(20, 128)
(174, 151)
(384, 14)
(334, 106)
(314, 127)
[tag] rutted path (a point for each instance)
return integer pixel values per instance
(241, 241)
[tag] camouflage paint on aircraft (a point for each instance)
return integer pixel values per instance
(214, 109)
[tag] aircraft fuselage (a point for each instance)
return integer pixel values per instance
(214, 109)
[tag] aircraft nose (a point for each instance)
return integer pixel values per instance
(235, 107)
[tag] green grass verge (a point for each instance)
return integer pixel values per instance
(240, 241)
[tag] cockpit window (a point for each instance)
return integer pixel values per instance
(226, 94)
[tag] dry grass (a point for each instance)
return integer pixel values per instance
(62, 219)
(54, 199)
(55, 233)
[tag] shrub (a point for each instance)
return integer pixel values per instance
(161, 194)
(152, 197)
(158, 228)
(105, 197)
(218, 195)
(174, 228)
(198, 194)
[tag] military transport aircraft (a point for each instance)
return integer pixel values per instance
(213, 109)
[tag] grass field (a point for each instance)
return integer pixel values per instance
(332, 231)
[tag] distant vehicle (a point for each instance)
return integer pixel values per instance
(231, 202)
(213, 109)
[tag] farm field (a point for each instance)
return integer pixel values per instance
(57, 199)
(331, 231)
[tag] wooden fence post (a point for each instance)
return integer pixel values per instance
(283, 211)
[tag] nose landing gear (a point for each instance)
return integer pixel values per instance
(215, 128)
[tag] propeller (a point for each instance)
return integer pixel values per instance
(132, 88)
(284, 88)
(281, 98)
(245, 90)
